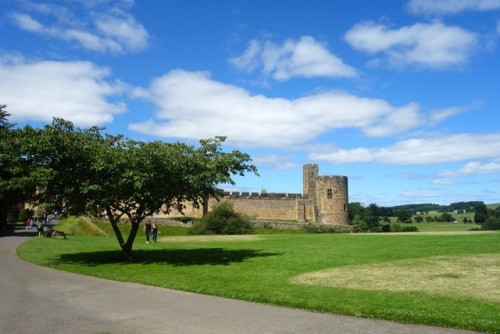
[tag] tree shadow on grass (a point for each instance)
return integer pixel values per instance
(175, 257)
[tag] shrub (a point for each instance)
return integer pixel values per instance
(319, 228)
(491, 223)
(386, 228)
(184, 219)
(409, 229)
(359, 224)
(395, 228)
(222, 220)
(24, 214)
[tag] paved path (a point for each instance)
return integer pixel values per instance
(35, 299)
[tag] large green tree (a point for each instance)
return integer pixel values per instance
(5, 163)
(404, 216)
(12, 167)
(82, 169)
(480, 213)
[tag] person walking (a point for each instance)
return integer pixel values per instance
(155, 232)
(147, 229)
(39, 228)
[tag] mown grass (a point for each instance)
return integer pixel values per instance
(264, 268)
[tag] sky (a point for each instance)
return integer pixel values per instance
(402, 97)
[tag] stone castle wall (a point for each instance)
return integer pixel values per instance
(324, 200)
(265, 206)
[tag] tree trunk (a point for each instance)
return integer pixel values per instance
(205, 205)
(127, 250)
(126, 247)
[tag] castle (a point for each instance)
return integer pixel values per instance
(324, 200)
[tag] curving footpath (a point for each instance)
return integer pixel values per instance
(41, 300)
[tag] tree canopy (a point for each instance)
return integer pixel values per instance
(81, 170)
(12, 167)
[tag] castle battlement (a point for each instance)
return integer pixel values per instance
(257, 196)
(324, 200)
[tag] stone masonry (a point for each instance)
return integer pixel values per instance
(324, 200)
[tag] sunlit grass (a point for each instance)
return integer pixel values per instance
(471, 276)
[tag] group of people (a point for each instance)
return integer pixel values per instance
(41, 225)
(151, 231)
(35, 221)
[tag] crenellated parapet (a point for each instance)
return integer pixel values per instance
(324, 200)
(256, 195)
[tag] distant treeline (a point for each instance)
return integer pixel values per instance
(426, 207)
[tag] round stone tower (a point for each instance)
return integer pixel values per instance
(326, 197)
(331, 193)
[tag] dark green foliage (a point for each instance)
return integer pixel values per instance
(24, 214)
(320, 228)
(480, 213)
(404, 216)
(13, 214)
(386, 228)
(184, 219)
(418, 219)
(359, 224)
(372, 215)
(491, 223)
(356, 209)
(409, 229)
(446, 217)
(395, 228)
(222, 220)
(12, 169)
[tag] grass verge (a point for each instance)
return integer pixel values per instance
(266, 268)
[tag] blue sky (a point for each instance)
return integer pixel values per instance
(400, 96)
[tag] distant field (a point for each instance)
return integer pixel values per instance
(442, 279)
(459, 217)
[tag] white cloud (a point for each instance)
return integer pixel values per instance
(26, 22)
(473, 168)
(421, 151)
(405, 118)
(191, 105)
(90, 41)
(433, 45)
(76, 91)
(305, 57)
(444, 7)
(444, 181)
(438, 115)
(123, 29)
(421, 195)
(276, 162)
(107, 28)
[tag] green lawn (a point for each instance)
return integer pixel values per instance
(277, 269)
